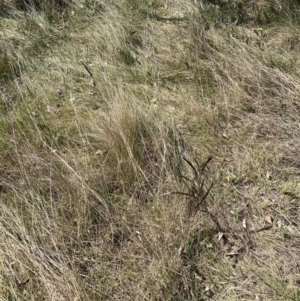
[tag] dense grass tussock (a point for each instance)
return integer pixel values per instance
(30, 5)
(263, 12)
(149, 150)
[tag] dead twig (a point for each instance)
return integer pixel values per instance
(94, 84)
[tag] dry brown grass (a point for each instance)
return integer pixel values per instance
(108, 120)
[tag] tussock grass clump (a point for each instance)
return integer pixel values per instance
(51, 8)
(8, 67)
(253, 13)
(133, 146)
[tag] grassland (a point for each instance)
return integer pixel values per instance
(149, 150)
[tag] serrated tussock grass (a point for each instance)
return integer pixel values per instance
(149, 150)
